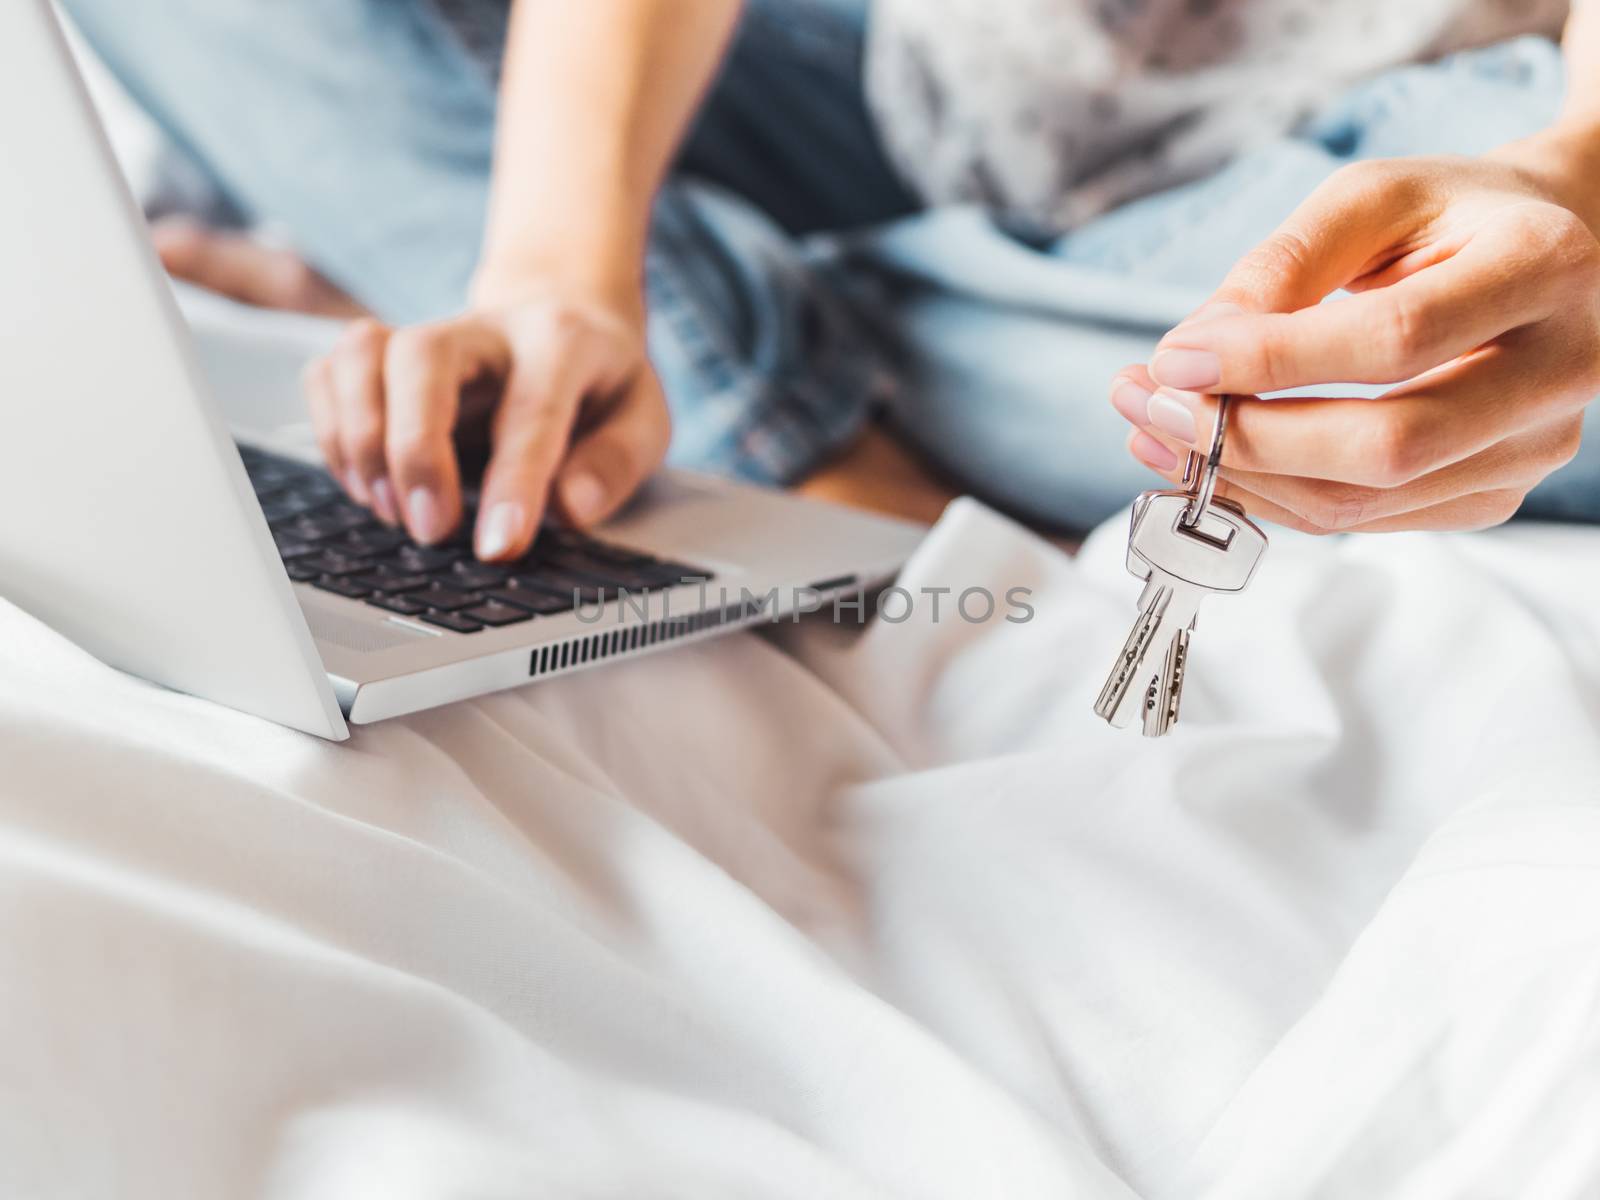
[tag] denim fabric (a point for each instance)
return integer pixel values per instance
(1004, 349)
(364, 127)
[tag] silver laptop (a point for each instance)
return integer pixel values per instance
(135, 524)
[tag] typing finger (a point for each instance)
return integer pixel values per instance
(357, 376)
(609, 462)
(530, 435)
(425, 369)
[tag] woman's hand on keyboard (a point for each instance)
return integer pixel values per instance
(1476, 291)
(574, 412)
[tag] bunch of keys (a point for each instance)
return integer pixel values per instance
(1185, 545)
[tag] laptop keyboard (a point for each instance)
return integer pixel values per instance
(333, 544)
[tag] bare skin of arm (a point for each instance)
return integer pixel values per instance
(564, 245)
(595, 99)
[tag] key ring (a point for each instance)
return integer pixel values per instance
(1208, 473)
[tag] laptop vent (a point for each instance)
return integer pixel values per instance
(592, 648)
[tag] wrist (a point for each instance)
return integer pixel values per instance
(608, 277)
(585, 243)
(1564, 160)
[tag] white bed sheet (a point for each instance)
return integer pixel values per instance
(813, 915)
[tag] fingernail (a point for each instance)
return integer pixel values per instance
(427, 517)
(583, 496)
(1131, 400)
(355, 485)
(1172, 416)
(500, 529)
(1152, 453)
(1193, 370)
(383, 501)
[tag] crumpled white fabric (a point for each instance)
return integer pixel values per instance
(820, 915)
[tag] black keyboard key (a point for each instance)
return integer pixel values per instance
(540, 603)
(270, 478)
(289, 508)
(672, 574)
(337, 520)
(303, 529)
(469, 574)
(289, 549)
(559, 535)
(579, 561)
(341, 587)
(379, 539)
(491, 612)
(448, 599)
(316, 495)
(328, 537)
(647, 577)
(452, 620)
(574, 589)
(386, 579)
(427, 558)
(398, 604)
(337, 565)
(606, 552)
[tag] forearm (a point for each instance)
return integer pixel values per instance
(1567, 154)
(1580, 46)
(596, 97)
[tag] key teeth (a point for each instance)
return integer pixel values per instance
(1180, 566)
(1166, 694)
(1110, 705)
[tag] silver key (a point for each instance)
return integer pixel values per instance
(1164, 696)
(1184, 545)
(1183, 565)
(1165, 692)
(1168, 605)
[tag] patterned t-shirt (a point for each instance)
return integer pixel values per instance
(1053, 111)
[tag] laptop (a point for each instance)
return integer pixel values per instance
(136, 525)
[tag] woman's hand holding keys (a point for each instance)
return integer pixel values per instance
(1476, 293)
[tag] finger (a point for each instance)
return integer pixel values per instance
(316, 381)
(425, 368)
(1506, 276)
(1474, 511)
(1483, 510)
(607, 464)
(357, 373)
(1415, 429)
(1515, 464)
(530, 435)
(1169, 466)
(1332, 238)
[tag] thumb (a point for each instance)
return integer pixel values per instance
(1339, 233)
(1342, 231)
(607, 464)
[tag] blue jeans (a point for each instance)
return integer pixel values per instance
(794, 288)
